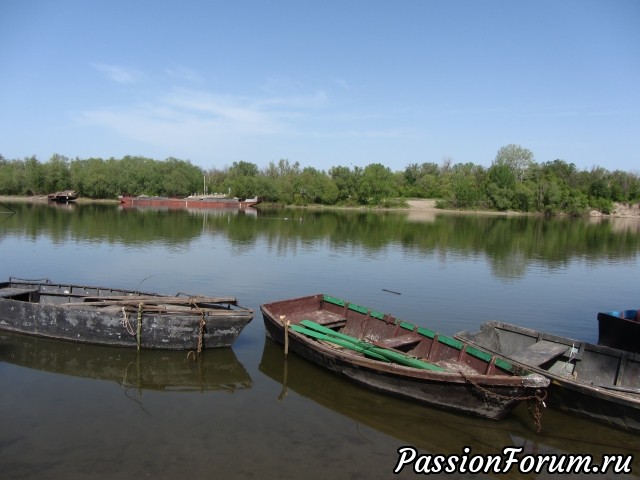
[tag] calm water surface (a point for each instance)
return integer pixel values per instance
(70, 412)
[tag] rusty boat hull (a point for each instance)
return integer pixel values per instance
(434, 369)
(194, 202)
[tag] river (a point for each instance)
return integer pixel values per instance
(75, 413)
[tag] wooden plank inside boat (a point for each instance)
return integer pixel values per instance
(406, 340)
(10, 292)
(539, 353)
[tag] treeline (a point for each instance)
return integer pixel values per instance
(514, 181)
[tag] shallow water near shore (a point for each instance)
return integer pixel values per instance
(248, 412)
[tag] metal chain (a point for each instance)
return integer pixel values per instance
(193, 356)
(536, 411)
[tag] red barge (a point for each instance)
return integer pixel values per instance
(196, 201)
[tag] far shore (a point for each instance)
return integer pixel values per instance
(416, 207)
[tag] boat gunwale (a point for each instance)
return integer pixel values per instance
(200, 301)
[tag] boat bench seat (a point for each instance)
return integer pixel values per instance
(400, 341)
(326, 319)
(539, 353)
(17, 293)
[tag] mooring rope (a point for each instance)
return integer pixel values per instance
(126, 323)
(139, 333)
(285, 324)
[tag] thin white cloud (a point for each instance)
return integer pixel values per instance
(184, 117)
(184, 74)
(198, 122)
(240, 114)
(316, 100)
(118, 73)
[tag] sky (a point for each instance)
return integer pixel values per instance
(322, 82)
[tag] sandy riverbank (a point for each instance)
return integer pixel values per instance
(621, 210)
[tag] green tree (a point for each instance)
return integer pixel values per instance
(12, 177)
(242, 179)
(501, 187)
(466, 181)
(518, 159)
(56, 173)
(180, 178)
(35, 175)
(346, 182)
(375, 185)
(314, 186)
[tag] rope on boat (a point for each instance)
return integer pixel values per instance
(537, 399)
(286, 324)
(201, 332)
(139, 332)
(126, 323)
(191, 355)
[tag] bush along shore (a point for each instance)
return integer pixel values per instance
(513, 182)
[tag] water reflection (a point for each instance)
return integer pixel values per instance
(440, 432)
(511, 243)
(453, 272)
(215, 370)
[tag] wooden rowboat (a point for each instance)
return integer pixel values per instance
(620, 330)
(63, 197)
(399, 358)
(121, 318)
(592, 381)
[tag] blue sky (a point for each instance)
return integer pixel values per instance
(323, 83)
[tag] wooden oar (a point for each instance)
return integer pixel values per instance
(343, 343)
(168, 309)
(164, 299)
(390, 355)
(132, 300)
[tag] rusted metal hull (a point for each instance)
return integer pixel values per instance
(467, 383)
(190, 202)
(588, 380)
(120, 318)
(620, 330)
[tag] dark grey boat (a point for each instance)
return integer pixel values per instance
(399, 358)
(620, 330)
(121, 318)
(593, 381)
